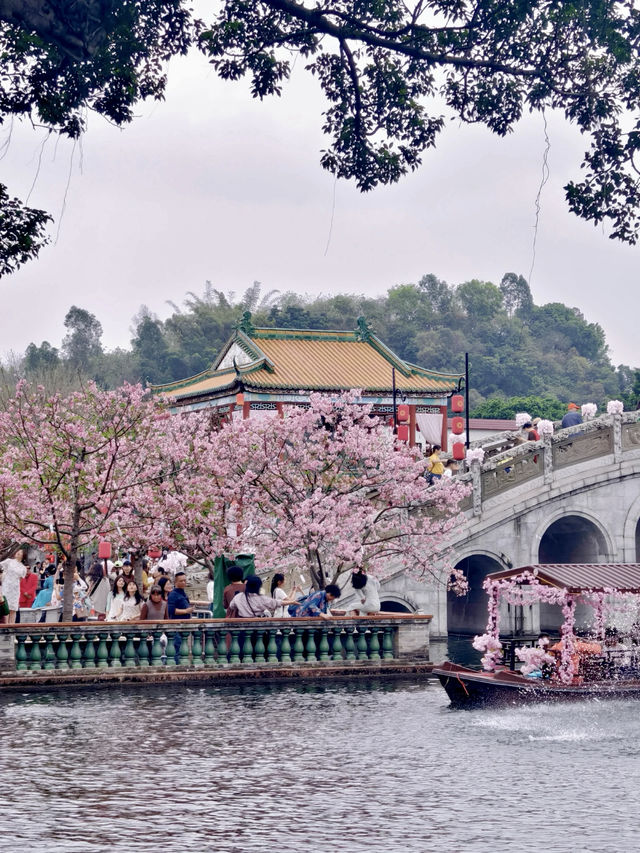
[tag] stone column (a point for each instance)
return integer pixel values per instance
(7, 651)
(413, 637)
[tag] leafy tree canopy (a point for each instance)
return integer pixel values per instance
(389, 71)
(542, 407)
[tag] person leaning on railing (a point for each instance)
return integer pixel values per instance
(250, 604)
(317, 603)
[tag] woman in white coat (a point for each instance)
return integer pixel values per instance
(12, 570)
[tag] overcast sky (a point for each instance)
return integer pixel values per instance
(211, 185)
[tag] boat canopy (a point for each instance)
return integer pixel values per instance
(579, 577)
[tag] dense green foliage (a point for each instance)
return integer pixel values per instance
(392, 73)
(522, 356)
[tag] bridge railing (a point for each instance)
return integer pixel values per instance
(609, 435)
(213, 643)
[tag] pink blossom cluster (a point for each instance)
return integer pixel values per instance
(534, 658)
(492, 648)
(522, 418)
(326, 488)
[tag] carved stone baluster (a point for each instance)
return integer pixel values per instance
(75, 653)
(196, 648)
(89, 655)
(35, 658)
(21, 652)
(476, 479)
(62, 655)
(547, 459)
(336, 651)
(617, 438)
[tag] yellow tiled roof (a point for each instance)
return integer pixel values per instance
(314, 360)
(333, 364)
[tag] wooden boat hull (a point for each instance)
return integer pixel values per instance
(471, 688)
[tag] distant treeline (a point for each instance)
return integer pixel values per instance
(522, 355)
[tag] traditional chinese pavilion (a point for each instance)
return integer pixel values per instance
(262, 370)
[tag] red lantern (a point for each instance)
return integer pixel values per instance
(458, 450)
(402, 413)
(457, 403)
(104, 550)
(457, 426)
(403, 432)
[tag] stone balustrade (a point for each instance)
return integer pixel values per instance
(211, 643)
(609, 437)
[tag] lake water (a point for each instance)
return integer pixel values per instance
(360, 768)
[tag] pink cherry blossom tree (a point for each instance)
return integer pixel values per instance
(192, 506)
(329, 488)
(70, 465)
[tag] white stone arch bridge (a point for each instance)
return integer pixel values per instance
(570, 498)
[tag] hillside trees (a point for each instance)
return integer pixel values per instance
(392, 74)
(516, 348)
(82, 344)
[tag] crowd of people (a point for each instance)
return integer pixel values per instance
(108, 591)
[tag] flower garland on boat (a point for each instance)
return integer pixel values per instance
(526, 588)
(534, 658)
(492, 648)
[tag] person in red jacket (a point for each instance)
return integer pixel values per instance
(28, 588)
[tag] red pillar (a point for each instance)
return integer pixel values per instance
(443, 442)
(412, 426)
(246, 411)
(280, 409)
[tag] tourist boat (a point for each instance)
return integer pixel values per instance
(603, 662)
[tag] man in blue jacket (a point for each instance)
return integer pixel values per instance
(573, 416)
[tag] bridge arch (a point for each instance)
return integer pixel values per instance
(572, 536)
(390, 603)
(631, 534)
(467, 614)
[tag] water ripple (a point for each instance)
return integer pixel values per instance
(357, 768)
